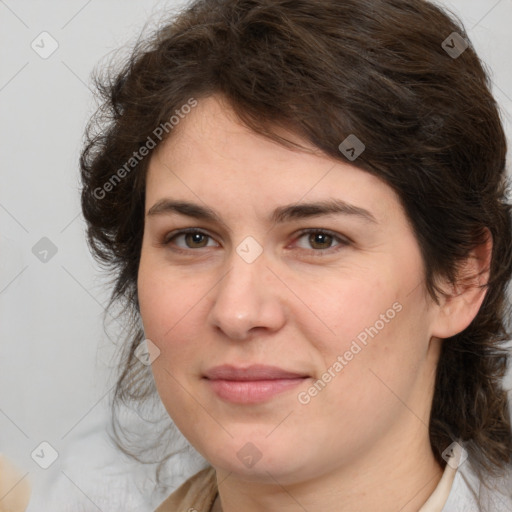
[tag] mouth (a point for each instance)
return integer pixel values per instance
(253, 384)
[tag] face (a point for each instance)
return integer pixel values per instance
(291, 312)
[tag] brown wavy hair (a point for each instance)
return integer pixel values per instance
(327, 69)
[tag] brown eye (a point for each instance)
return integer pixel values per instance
(189, 239)
(320, 240)
(194, 240)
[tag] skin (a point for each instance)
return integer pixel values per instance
(362, 442)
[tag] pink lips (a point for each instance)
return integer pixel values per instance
(253, 384)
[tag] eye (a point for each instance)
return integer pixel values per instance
(321, 240)
(318, 240)
(193, 239)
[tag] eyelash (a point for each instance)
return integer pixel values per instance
(342, 241)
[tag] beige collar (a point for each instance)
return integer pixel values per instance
(435, 503)
(440, 495)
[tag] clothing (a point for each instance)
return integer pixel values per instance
(197, 493)
(469, 494)
(458, 491)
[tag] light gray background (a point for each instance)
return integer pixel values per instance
(55, 359)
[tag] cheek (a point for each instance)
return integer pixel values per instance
(356, 309)
(381, 307)
(167, 306)
(169, 316)
(378, 330)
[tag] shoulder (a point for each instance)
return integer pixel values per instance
(198, 492)
(471, 494)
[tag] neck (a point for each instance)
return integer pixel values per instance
(399, 476)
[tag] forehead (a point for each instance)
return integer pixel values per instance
(212, 157)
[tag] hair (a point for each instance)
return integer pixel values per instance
(327, 69)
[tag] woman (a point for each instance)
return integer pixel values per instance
(303, 204)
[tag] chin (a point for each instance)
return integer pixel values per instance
(262, 460)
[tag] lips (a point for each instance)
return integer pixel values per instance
(254, 372)
(253, 384)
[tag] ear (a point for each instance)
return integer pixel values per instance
(462, 300)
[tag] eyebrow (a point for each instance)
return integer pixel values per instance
(279, 215)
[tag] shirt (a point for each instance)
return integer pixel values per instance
(457, 491)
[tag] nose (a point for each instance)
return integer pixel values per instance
(247, 300)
